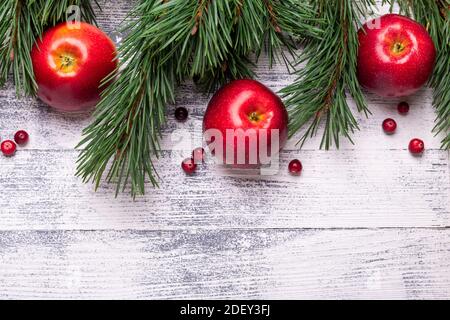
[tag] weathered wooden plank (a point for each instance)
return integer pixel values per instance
(359, 188)
(277, 264)
(55, 131)
(260, 253)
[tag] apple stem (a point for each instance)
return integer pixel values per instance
(66, 61)
(253, 116)
(398, 47)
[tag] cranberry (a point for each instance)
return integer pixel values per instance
(403, 107)
(189, 165)
(389, 126)
(8, 147)
(181, 114)
(21, 137)
(416, 146)
(295, 167)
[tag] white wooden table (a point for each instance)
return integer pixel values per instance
(367, 221)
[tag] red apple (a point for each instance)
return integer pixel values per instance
(250, 120)
(396, 56)
(70, 63)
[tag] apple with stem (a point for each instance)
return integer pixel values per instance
(396, 56)
(245, 124)
(70, 62)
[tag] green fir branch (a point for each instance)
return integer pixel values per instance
(262, 26)
(441, 84)
(319, 94)
(435, 16)
(18, 29)
(54, 11)
(167, 42)
(234, 67)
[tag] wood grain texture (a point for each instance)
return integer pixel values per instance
(367, 221)
(376, 264)
(51, 130)
(358, 188)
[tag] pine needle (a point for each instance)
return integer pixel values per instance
(21, 23)
(435, 17)
(319, 92)
(167, 42)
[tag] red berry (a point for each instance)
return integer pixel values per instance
(389, 126)
(8, 147)
(21, 137)
(181, 114)
(295, 167)
(403, 107)
(416, 146)
(189, 165)
(198, 155)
